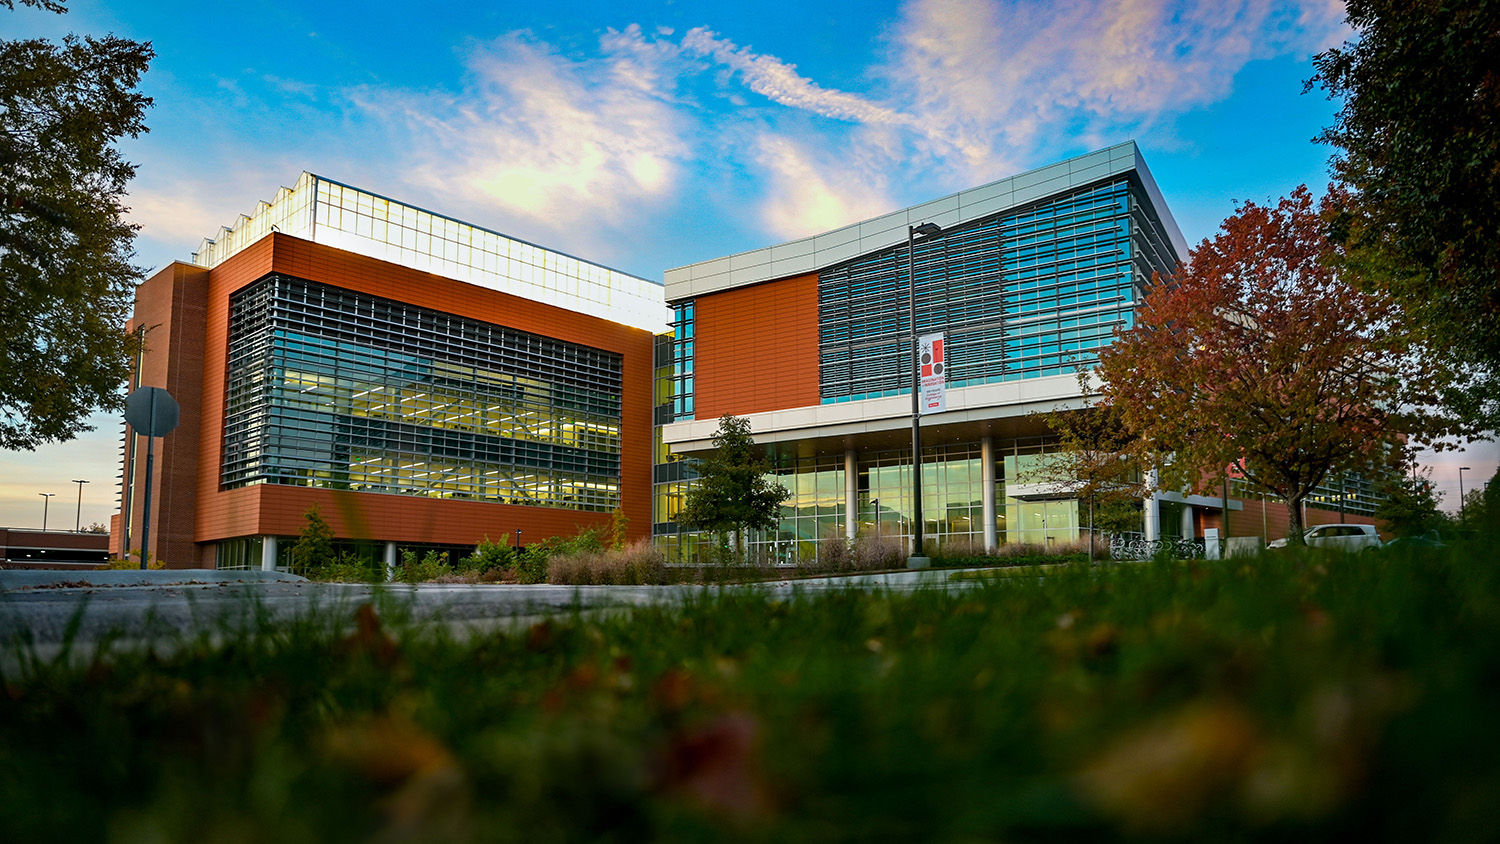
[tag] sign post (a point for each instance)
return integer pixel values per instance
(151, 411)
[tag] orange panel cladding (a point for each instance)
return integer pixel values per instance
(757, 348)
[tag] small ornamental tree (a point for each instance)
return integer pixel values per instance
(1256, 353)
(1096, 465)
(314, 548)
(733, 492)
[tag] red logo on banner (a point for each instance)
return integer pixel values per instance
(933, 370)
(932, 359)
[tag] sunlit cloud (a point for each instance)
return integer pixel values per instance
(176, 215)
(808, 193)
(562, 143)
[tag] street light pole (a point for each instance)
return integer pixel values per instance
(46, 501)
(1461, 471)
(917, 560)
(78, 517)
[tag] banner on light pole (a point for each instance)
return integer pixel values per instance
(934, 362)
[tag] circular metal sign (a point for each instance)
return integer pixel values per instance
(152, 411)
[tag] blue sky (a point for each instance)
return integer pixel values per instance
(647, 135)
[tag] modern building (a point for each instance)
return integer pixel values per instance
(811, 341)
(424, 381)
(427, 383)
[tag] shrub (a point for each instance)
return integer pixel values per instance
(868, 552)
(348, 567)
(833, 555)
(432, 566)
(133, 561)
(617, 526)
(488, 556)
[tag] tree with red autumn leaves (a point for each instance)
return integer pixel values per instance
(1258, 353)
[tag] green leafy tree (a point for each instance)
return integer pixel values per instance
(1419, 141)
(733, 493)
(1409, 505)
(1258, 353)
(66, 278)
(314, 548)
(1481, 509)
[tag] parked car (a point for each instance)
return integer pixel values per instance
(1430, 539)
(1343, 537)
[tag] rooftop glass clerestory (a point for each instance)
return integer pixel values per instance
(345, 217)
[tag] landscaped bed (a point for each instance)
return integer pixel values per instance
(1289, 697)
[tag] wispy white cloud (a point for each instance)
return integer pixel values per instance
(293, 87)
(778, 81)
(561, 143)
(1002, 81)
(966, 91)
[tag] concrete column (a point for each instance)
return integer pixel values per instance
(987, 457)
(1152, 511)
(268, 553)
(390, 561)
(1187, 522)
(851, 494)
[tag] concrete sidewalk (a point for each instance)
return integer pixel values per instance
(35, 579)
(85, 578)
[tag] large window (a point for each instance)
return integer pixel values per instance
(953, 494)
(1028, 293)
(332, 388)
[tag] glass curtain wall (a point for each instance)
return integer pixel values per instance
(332, 388)
(952, 502)
(672, 475)
(1029, 293)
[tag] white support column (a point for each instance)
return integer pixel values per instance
(987, 457)
(1153, 511)
(851, 494)
(1187, 522)
(268, 553)
(390, 561)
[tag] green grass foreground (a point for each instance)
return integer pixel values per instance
(1284, 698)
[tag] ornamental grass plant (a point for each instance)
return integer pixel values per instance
(628, 565)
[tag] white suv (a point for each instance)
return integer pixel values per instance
(1343, 537)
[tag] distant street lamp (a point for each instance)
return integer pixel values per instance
(917, 559)
(46, 500)
(1461, 471)
(78, 518)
